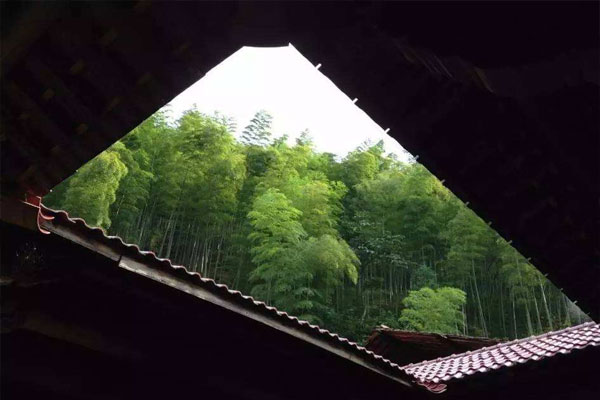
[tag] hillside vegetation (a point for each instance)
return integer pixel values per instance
(348, 244)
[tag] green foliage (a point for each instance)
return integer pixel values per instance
(276, 237)
(92, 190)
(350, 243)
(276, 228)
(434, 310)
(56, 198)
(423, 276)
(358, 167)
(329, 260)
(258, 132)
(215, 163)
(134, 188)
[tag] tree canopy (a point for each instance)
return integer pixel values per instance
(348, 243)
(434, 310)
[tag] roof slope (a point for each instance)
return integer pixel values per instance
(406, 347)
(433, 372)
(146, 263)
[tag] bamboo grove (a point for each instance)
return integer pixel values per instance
(347, 243)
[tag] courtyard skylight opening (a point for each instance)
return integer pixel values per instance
(265, 176)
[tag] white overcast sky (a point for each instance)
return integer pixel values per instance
(297, 95)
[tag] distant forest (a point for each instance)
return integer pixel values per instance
(347, 243)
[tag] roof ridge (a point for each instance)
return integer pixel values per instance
(444, 335)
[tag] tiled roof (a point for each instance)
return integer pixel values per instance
(434, 373)
(114, 247)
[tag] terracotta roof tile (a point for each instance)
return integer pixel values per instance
(433, 372)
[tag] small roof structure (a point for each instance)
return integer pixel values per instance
(408, 347)
(438, 373)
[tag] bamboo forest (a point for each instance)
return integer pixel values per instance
(348, 243)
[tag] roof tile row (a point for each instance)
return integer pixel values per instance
(505, 354)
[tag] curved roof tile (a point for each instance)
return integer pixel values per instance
(435, 372)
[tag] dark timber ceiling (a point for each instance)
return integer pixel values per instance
(499, 100)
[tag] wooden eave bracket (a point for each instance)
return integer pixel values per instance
(26, 214)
